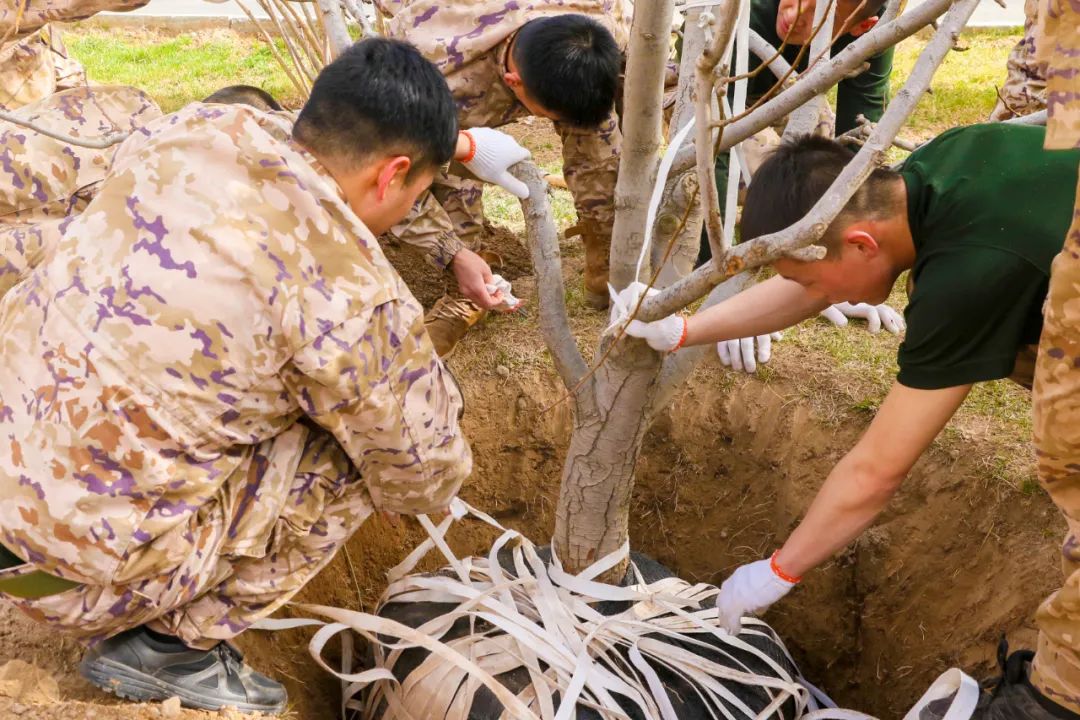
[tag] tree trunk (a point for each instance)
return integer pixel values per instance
(592, 518)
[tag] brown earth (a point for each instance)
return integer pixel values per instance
(957, 560)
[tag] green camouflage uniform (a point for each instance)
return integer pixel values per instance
(33, 60)
(468, 41)
(1024, 91)
(1056, 393)
(209, 383)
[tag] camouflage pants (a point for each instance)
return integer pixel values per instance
(35, 67)
(463, 200)
(1056, 399)
(1024, 91)
(255, 546)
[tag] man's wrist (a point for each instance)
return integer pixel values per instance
(465, 150)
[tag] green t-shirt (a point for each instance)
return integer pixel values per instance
(988, 209)
(867, 93)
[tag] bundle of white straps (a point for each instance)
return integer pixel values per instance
(542, 618)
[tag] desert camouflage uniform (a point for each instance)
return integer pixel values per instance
(43, 181)
(209, 384)
(1056, 394)
(33, 60)
(1024, 91)
(468, 41)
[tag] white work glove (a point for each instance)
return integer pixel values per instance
(748, 591)
(664, 335)
(495, 153)
(509, 302)
(739, 354)
(876, 316)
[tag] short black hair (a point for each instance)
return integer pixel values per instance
(570, 64)
(380, 96)
(795, 176)
(245, 95)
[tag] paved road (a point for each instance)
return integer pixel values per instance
(989, 12)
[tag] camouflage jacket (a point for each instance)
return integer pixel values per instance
(1057, 47)
(215, 291)
(468, 41)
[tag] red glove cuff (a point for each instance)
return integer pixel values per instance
(780, 573)
(682, 338)
(472, 147)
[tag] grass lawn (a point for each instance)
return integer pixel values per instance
(178, 69)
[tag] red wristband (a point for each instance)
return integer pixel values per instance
(472, 147)
(780, 573)
(682, 338)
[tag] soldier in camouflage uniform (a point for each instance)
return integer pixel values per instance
(215, 376)
(1024, 91)
(505, 61)
(34, 62)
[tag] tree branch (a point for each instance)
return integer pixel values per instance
(94, 144)
(334, 24)
(644, 88)
(704, 86)
(356, 9)
(760, 251)
(547, 267)
(771, 57)
(804, 119)
(1035, 118)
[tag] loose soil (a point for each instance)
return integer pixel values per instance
(958, 559)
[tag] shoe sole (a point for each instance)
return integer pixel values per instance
(124, 682)
(597, 301)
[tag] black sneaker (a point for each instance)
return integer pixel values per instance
(145, 666)
(1009, 697)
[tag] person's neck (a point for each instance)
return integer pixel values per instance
(899, 243)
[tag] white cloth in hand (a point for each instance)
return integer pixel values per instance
(509, 302)
(749, 590)
(495, 153)
(876, 316)
(739, 354)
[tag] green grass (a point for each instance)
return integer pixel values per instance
(179, 69)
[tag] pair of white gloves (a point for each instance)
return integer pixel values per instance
(740, 354)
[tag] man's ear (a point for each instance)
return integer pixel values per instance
(393, 170)
(513, 79)
(863, 26)
(859, 240)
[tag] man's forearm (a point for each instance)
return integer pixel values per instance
(847, 504)
(773, 305)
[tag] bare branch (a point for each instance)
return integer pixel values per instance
(826, 74)
(770, 57)
(334, 24)
(645, 69)
(1035, 118)
(760, 251)
(94, 144)
(355, 8)
(858, 135)
(804, 119)
(547, 266)
(727, 15)
(892, 9)
(296, 78)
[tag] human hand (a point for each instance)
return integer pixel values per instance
(876, 316)
(664, 335)
(491, 156)
(749, 590)
(473, 277)
(739, 354)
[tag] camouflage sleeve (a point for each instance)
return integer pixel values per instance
(428, 228)
(590, 166)
(377, 385)
(23, 247)
(16, 23)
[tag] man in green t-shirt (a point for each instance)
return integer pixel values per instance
(980, 269)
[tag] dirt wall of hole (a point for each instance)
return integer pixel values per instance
(955, 562)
